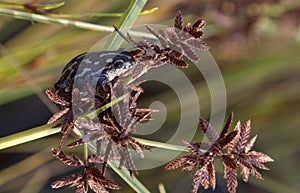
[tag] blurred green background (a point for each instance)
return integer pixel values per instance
(255, 43)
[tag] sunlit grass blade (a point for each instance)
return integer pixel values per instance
(89, 15)
(161, 145)
(46, 7)
(93, 114)
(134, 183)
(52, 6)
(46, 19)
(46, 130)
(9, 5)
(28, 135)
(126, 22)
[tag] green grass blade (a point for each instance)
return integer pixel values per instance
(52, 6)
(77, 24)
(114, 43)
(11, 5)
(161, 145)
(46, 130)
(93, 114)
(126, 22)
(134, 183)
(28, 135)
(23, 6)
(47, 19)
(89, 15)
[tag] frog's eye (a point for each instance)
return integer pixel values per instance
(118, 64)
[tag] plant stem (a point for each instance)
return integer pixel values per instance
(23, 6)
(85, 153)
(126, 22)
(88, 15)
(28, 135)
(161, 145)
(134, 183)
(94, 113)
(71, 23)
(47, 19)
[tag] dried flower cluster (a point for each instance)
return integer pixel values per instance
(232, 147)
(90, 177)
(84, 77)
(86, 87)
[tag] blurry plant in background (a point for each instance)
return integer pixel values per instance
(256, 44)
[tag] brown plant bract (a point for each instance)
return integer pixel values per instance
(112, 127)
(90, 177)
(120, 120)
(234, 149)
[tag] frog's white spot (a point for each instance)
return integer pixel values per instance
(87, 61)
(85, 70)
(96, 73)
(106, 54)
(109, 60)
(97, 62)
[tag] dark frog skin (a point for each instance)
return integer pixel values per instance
(97, 69)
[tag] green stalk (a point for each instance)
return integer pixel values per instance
(88, 15)
(134, 183)
(28, 135)
(93, 114)
(11, 5)
(85, 153)
(78, 24)
(126, 22)
(47, 19)
(45, 130)
(161, 145)
(23, 6)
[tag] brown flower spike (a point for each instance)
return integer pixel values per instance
(112, 128)
(90, 177)
(234, 149)
(108, 70)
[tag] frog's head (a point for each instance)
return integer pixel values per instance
(119, 65)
